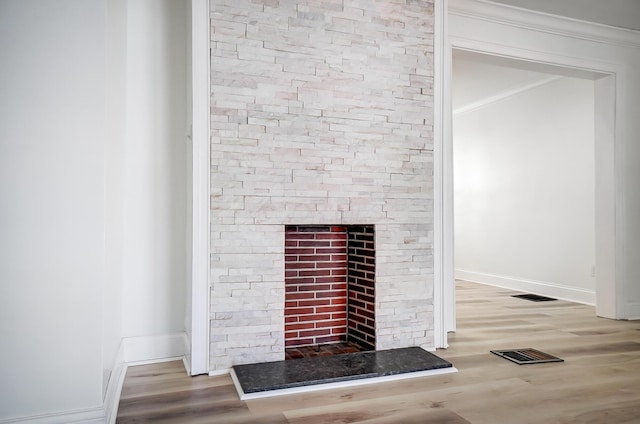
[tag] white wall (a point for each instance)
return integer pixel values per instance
(93, 209)
(524, 191)
(155, 169)
(114, 185)
(52, 251)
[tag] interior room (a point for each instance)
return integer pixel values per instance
(154, 154)
(524, 177)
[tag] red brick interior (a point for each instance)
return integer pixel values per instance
(315, 285)
(361, 286)
(329, 283)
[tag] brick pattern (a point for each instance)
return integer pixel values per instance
(321, 112)
(315, 285)
(361, 286)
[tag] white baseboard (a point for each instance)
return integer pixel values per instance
(186, 358)
(558, 291)
(187, 365)
(149, 349)
(220, 372)
(140, 351)
(114, 386)
(133, 351)
(85, 416)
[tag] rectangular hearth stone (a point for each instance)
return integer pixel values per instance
(302, 375)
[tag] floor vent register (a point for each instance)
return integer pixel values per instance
(534, 297)
(526, 356)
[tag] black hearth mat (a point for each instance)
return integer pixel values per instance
(331, 369)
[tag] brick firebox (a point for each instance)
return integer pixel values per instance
(330, 285)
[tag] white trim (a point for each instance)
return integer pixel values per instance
(114, 386)
(503, 95)
(439, 335)
(545, 22)
(488, 28)
(565, 61)
(543, 288)
(156, 361)
(337, 385)
(111, 407)
(84, 416)
(149, 349)
(219, 372)
(441, 67)
(607, 299)
(200, 292)
(133, 351)
(186, 358)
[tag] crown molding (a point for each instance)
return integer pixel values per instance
(545, 22)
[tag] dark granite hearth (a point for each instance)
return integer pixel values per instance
(268, 376)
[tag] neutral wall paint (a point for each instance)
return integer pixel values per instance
(52, 268)
(114, 185)
(77, 76)
(155, 169)
(524, 189)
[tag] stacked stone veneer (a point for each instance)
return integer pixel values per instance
(321, 113)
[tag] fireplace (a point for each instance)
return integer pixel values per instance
(330, 285)
(321, 116)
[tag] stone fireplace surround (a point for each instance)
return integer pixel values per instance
(321, 112)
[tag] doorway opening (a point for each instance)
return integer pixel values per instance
(575, 141)
(524, 177)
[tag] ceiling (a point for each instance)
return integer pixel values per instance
(475, 78)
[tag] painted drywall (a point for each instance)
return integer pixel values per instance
(116, 49)
(52, 249)
(155, 169)
(524, 190)
(93, 185)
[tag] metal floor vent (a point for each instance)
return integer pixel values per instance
(534, 297)
(526, 356)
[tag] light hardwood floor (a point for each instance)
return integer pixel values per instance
(599, 382)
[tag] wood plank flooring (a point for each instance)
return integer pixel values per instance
(599, 382)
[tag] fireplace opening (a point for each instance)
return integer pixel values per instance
(329, 289)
